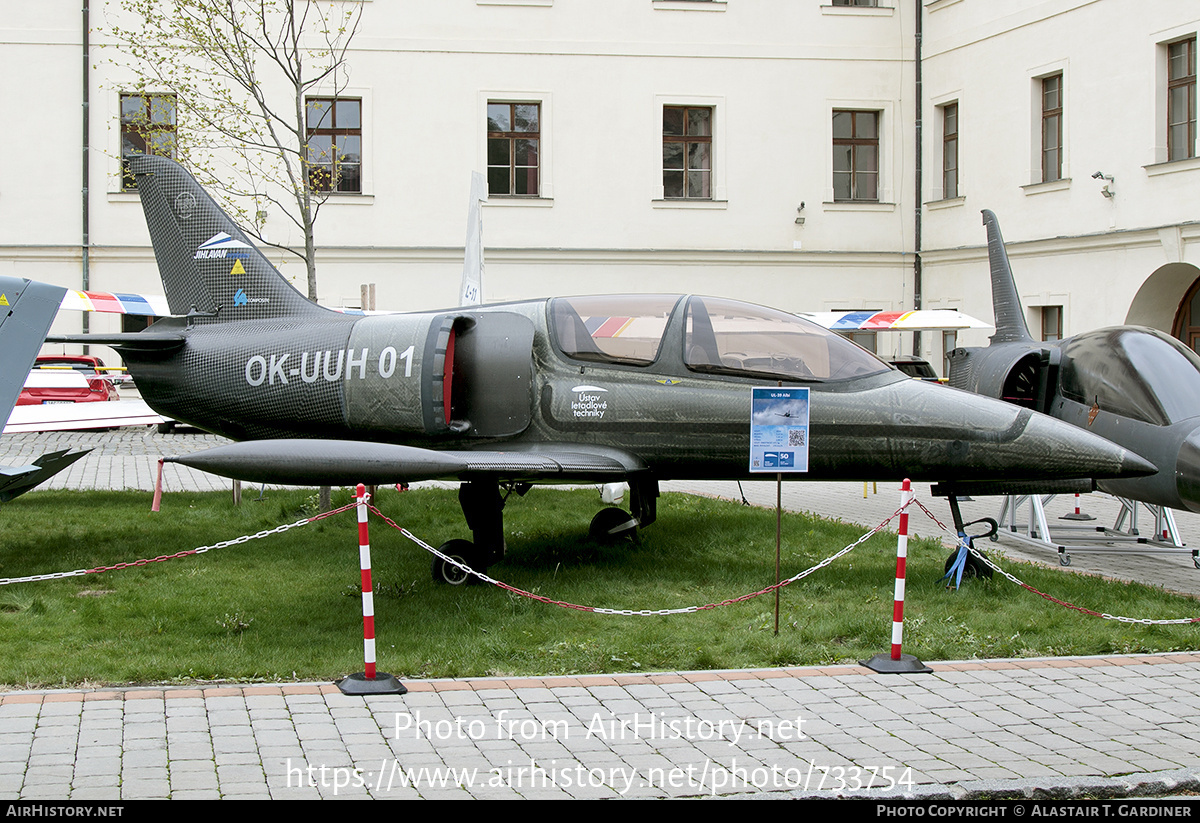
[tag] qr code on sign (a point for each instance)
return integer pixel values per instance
(796, 437)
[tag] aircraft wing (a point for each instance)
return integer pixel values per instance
(46, 417)
(919, 320)
(154, 305)
(345, 463)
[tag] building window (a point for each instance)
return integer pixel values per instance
(949, 151)
(147, 127)
(334, 144)
(1052, 323)
(1181, 100)
(1052, 127)
(514, 148)
(855, 155)
(856, 2)
(687, 152)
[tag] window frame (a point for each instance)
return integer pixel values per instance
(511, 136)
(1186, 82)
(688, 140)
(856, 142)
(1051, 171)
(950, 185)
(1051, 323)
(142, 129)
(334, 131)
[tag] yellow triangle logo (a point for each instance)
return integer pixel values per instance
(237, 268)
(3, 299)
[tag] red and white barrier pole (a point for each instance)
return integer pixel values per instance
(368, 682)
(897, 662)
(368, 589)
(901, 563)
(1077, 514)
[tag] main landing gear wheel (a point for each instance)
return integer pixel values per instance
(612, 524)
(463, 551)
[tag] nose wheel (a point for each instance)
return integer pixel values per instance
(613, 524)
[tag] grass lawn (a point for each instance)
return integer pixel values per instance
(287, 607)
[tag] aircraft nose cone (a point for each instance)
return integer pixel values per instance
(1134, 465)
(962, 437)
(1187, 471)
(1063, 445)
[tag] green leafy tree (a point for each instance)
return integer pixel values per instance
(242, 75)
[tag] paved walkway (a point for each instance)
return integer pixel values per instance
(1050, 728)
(1113, 726)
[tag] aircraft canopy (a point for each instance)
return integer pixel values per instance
(720, 336)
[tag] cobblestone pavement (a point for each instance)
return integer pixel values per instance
(1065, 727)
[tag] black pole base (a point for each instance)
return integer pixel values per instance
(382, 684)
(907, 664)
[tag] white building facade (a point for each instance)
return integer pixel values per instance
(762, 150)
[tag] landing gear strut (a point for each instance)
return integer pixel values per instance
(483, 506)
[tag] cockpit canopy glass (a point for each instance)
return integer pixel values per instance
(720, 336)
(624, 329)
(730, 337)
(1133, 372)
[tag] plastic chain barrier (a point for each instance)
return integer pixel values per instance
(986, 561)
(596, 609)
(637, 612)
(4, 581)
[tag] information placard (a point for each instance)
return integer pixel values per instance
(779, 430)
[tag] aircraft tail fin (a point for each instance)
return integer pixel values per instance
(1006, 303)
(27, 309)
(472, 279)
(206, 262)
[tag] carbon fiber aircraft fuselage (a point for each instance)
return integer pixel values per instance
(504, 384)
(629, 387)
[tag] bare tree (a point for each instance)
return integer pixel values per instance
(251, 80)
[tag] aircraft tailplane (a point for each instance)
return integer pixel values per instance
(206, 262)
(1010, 317)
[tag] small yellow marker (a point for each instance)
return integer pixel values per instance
(237, 267)
(3, 299)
